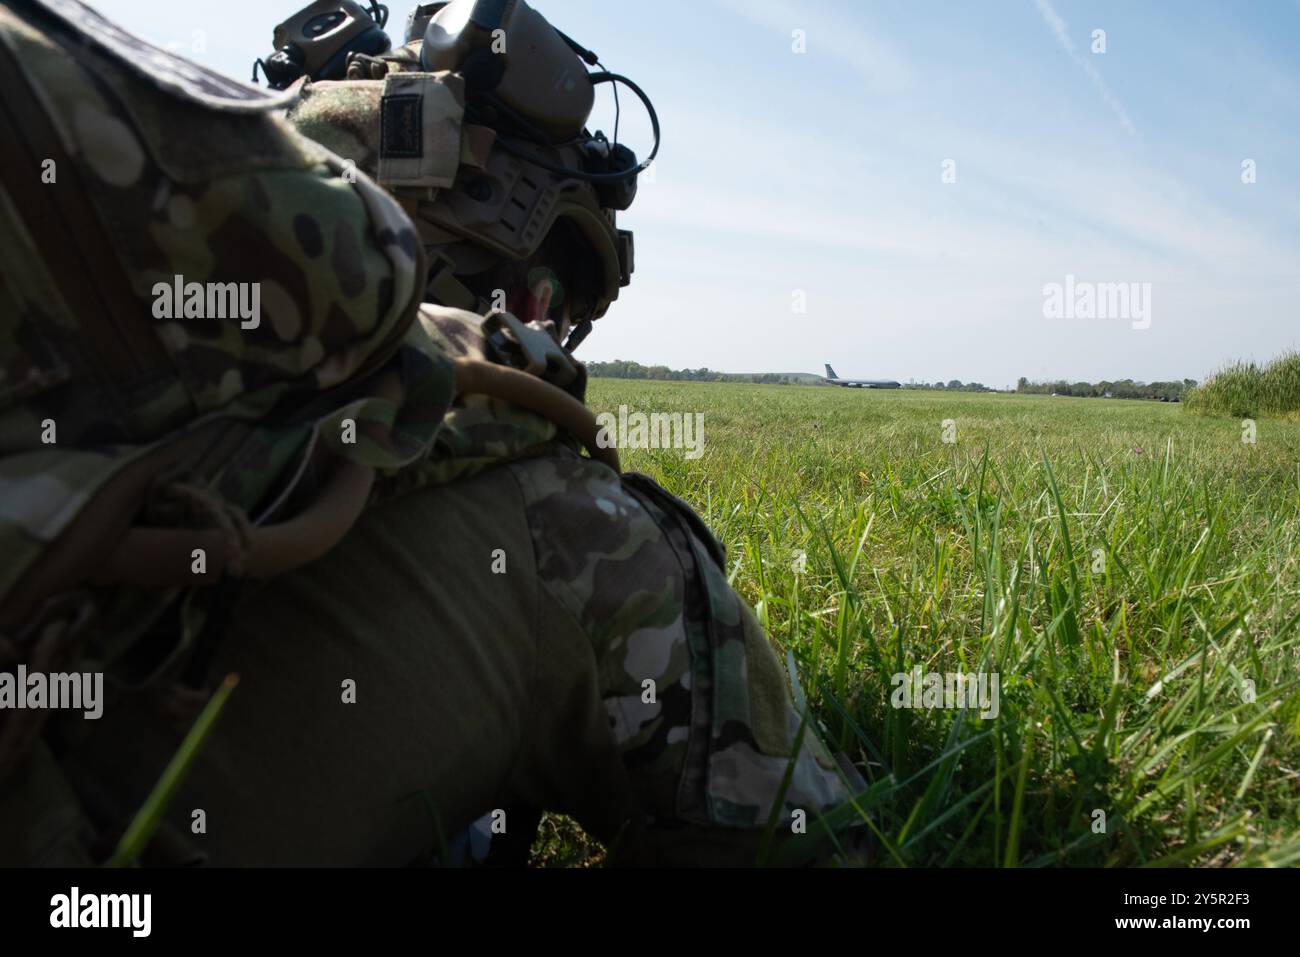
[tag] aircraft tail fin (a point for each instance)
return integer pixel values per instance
(830, 373)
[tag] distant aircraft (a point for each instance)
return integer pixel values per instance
(833, 379)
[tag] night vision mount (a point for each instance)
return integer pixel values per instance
(317, 41)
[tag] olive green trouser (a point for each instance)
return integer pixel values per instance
(389, 694)
(470, 695)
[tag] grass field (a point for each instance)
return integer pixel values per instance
(1129, 570)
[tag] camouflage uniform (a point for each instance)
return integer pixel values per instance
(607, 670)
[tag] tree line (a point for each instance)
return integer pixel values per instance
(1118, 389)
(952, 385)
(625, 369)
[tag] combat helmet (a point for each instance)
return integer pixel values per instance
(478, 126)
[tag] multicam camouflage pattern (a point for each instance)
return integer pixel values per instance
(339, 115)
(240, 198)
(697, 701)
(712, 740)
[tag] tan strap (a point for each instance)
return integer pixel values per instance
(166, 557)
(537, 395)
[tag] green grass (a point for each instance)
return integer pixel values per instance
(1245, 390)
(1124, 566)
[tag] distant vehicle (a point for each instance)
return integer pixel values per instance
(833, 379)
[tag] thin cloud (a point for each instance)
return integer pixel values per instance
(1058, 28)
(885, 70)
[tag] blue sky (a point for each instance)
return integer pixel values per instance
(817, 177)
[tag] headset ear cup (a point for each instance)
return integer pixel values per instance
(483, 71)
(618, 194)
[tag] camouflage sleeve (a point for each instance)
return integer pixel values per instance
(174, 261)
(696, 698)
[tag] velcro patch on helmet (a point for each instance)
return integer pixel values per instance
(420, 119)
(401, 127)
